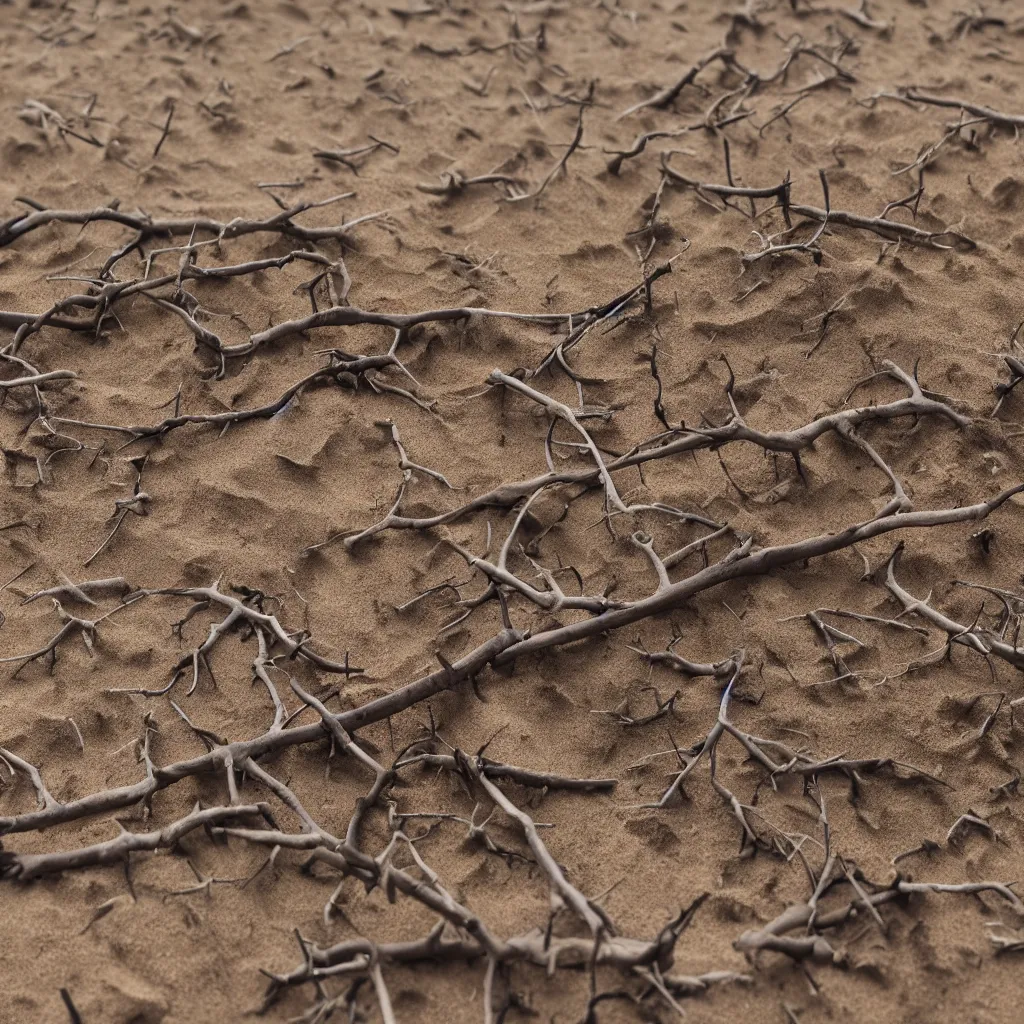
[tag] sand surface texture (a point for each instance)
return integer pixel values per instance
(372, 653)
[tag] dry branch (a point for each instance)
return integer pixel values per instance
(26, 867)
(668, 95)
(995, 117)
(677, 442)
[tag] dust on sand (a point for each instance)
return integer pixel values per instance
(224, 115)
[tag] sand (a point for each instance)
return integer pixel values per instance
(183, 113)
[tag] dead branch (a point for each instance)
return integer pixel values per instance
(521, 776)
(746, 561)
(81, 591)
(676, 442)
(26, 867)
(446, 678)
(668, 95)
(146, 227)
(982, 641)
(995, 117)
(560, 165)
(890, 229)
(454, 183)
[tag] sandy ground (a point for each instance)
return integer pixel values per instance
(434, 94)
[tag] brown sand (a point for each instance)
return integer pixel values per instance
(256, 87)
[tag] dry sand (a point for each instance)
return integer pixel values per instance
(469, 89)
